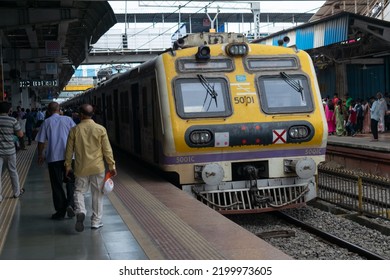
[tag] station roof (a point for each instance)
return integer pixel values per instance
(41, 37)
(341, 37)
(45, 41)
(360, 7)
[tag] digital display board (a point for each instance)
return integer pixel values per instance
(38, 83)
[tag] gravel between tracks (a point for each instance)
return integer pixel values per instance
(304, 246)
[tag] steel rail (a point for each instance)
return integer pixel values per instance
(331, 238)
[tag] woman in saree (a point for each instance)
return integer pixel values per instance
(339, 118)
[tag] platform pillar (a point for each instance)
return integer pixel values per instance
(341, 80)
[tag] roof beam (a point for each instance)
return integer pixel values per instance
(18, 18)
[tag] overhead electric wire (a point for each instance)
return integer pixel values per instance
(173, 26)
(169, 29)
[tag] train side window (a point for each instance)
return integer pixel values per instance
(124, 105)
(202, 97)
(110, 115)
(285, 93)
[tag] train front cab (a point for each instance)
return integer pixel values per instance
(245, 132)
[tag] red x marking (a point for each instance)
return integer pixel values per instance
(279, 136)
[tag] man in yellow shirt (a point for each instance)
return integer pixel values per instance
(89, 143)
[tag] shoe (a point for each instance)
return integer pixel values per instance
(80, 222)
(70, 212)
(96, 226)
(21, 192)
(57, 216)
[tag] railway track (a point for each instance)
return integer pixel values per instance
(331, 238)
(309, 233)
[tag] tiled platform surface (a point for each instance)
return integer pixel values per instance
(144, 218)
(362, 141)
(33, 235)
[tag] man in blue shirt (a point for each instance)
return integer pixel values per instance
(54, 133)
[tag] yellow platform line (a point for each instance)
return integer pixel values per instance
(8, 206)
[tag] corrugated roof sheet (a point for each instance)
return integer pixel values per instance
(324, 32)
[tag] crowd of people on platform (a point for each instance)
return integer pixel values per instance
(75, 148)
(30, 121)
(348, 117)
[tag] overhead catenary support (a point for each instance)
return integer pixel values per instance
(212, 29)
(256, 18)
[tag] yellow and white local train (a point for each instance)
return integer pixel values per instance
(241, 125)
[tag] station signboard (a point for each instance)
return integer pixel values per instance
(38, 83)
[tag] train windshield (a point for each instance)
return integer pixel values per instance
(202, 97)
(285, 93)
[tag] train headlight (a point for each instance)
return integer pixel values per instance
(298, 132)
(200, 137)
(237, 49)
(203, 53)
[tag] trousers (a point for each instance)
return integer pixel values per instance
(60, 200)
(374, 128)
(10, 162)
(83, 184)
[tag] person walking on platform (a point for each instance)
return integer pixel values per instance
(30, 123)
(89, 144)
(329, 113)
(359, 115)
(55, 130)
(350, 127)
(19, 116)
(376, 110)
(339, 113)
(382, 113)
(367, 117)
(9, 126)
(40, 117)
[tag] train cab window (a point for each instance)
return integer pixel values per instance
(285, 93)
(191, 65)
(272, 63)
(202, 97)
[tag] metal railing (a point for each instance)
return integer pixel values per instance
(143, 42)
(365, 193)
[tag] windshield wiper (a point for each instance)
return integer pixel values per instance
(291, 82)
(210, 91)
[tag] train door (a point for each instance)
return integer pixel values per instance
(147, 129)
(155, 121)
(116, 118)
(136, 118)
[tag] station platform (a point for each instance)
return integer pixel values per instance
(145, 218)
(363, 141)
(359, 153)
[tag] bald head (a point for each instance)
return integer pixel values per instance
(86, 110)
